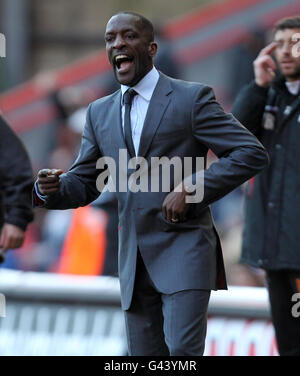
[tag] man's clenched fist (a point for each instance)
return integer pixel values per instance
(48, 181)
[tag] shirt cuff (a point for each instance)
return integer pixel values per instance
(40, 196)
(38, 200)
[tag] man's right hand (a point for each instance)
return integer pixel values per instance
(48, 181)
(264, 66)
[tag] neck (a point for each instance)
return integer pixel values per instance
(145, 74)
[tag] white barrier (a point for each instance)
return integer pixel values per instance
(2, 306)
(49, 314)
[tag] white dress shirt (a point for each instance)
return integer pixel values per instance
(140, 104)
(293, 86)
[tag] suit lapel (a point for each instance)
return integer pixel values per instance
(114, 119)
(157, 107)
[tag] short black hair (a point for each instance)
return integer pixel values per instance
(287, 23)
(145, 23)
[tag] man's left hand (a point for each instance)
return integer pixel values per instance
(175, 206)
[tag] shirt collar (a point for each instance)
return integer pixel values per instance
(293, 87)
(145, 87)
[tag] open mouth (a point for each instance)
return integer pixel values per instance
(123, 63)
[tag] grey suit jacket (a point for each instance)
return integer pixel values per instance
(183, 120)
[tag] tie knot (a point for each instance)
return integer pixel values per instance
(129, 95)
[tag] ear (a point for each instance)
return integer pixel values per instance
(152, 49)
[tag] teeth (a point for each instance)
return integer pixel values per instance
(121, 57)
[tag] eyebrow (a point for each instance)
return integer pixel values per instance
(123, 31)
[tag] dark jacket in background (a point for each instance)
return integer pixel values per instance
(16, 180)
(271, 235)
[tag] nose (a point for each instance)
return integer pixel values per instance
(118, 42)
(286, 49)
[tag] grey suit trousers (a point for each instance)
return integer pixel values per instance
(165, 324)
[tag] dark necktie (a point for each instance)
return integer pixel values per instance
(128, 97)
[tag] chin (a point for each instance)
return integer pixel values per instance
(124, 80)
(291, 73)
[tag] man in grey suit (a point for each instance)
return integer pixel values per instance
(170, 256)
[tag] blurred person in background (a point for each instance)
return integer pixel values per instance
(270, 107)
(15, 189)
(165, 59)
(169, 253)
(242, 57)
